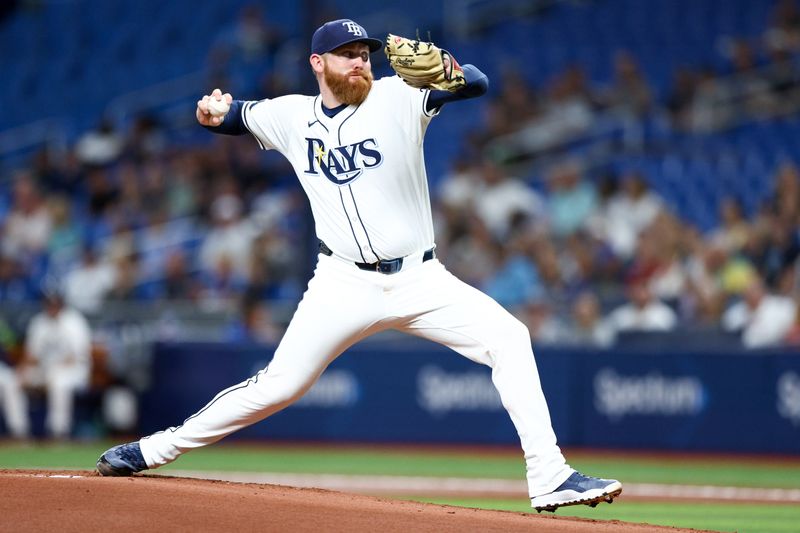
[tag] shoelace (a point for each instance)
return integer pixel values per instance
(132, 456)
(585, 482)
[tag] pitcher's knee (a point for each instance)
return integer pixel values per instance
(282, 390)
(516, 333)
(511, 341)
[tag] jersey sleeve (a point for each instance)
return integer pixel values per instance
(414, 102)
(269, 121)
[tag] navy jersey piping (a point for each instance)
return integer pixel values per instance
(358, 214)
(353, 231)
(314, 108)
(209, 404)
(246, 109)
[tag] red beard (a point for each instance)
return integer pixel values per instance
(346, 89)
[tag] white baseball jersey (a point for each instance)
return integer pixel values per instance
(363, 169)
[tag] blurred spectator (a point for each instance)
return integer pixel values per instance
(184, 180)
(15, 285)
(273, 266)
(459, 187)
(515, 281)
(560, 278)
(102, 194)
(86, 287)
(571, 199)
(627, 213)
(785, 201)
(784, 26)
(711, 109)
(100, 146)
(679, 101)
(121, 241)
(543, 323)
(735, 273)
(57, 360)
(472, 253)
(567, 112)
(733, 231)
(28, 225)
(658, 261)
(254, 323)
(57, 175)
(145, 140)
(587, 327)
(592, 262)
(571, 92)
(517, 103)
(764, 319)
(747, 82)
(64, 245)
(643, 312)
(229, 241)
(502, 197)
(629, 93)
(159, 238)
(704, 298)
(245, 50)
(221, 285)
(177, 282)
(783, 80)
(781, 252)
(127, 284)
(253, 36)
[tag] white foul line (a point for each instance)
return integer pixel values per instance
(482, 487)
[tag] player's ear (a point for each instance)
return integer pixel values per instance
(317, 63)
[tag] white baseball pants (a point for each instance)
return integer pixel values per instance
(343, 305)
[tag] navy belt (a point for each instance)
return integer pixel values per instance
(384, 266)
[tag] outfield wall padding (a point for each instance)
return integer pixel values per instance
(414, 391)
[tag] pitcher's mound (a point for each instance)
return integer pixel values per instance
(83, 501)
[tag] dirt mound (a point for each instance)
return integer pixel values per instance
(82, 501)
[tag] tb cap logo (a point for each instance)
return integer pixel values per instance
(353, 28)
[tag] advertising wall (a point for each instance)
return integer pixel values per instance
(419, 392)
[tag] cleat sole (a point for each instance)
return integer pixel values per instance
(607, 497)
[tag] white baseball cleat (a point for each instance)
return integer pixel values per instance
(578, 490)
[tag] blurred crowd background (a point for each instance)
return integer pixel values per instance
(632, 173)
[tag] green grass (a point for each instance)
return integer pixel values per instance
(744, 518)
(508, 464)
(720, 471)
(424, 462)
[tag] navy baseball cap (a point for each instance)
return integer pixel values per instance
(336, 33)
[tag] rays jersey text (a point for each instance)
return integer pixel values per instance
(342, 164)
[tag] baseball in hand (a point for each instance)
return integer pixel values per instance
(218, 108)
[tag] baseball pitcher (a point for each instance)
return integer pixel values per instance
(356, 148)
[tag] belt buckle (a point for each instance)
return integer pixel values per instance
(389, 266)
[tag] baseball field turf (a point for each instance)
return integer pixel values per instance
(720, 493)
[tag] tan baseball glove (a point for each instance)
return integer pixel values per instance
(423, 65)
